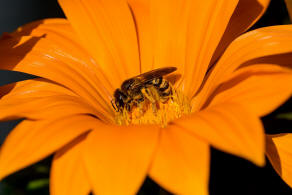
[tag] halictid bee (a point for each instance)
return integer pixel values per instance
(149, 85)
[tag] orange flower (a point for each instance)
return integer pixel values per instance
(82, 60)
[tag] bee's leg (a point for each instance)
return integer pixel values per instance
(152, 95)
(168, 95)
(140, 103)
(174, 96)
(148, 94)
(140, 106)
(128, 107)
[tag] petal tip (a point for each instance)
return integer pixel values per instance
(260, 161)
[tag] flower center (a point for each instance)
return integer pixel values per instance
(156, 109)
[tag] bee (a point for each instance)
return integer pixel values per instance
(149, 85)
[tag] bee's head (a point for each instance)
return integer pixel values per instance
(120, 98)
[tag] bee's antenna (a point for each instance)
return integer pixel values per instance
(114, 106)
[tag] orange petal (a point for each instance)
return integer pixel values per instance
(260, 88)
(117, 158)
(289, 7)
(61, 62)
(46, 107)
(59, 29)
(141, 13)
(38, 87)
(181, 163)
(32, 141)
(107, 30)
(254, 44)
(228, 127)
(41, 99)
(183, 33)
(280, 155)
(245, 15)
(59, 32)
(68, 173)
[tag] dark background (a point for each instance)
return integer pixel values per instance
(229, 174)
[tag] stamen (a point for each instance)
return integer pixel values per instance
(161, 112)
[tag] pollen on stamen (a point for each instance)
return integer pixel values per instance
(161, 112)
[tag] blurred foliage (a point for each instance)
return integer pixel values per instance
(286, 116)
(225, 174)
(33, 180)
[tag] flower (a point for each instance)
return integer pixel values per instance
(82, 60)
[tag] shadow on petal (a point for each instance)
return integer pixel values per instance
(284, 60)
(271, 147)
(11, 46)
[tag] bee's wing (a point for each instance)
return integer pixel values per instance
(140, 80)
(147, 76)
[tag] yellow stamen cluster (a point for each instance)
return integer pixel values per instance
(160, 112)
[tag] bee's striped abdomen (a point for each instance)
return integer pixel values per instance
(164, 86)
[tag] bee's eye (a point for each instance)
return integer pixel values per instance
(120, 98)
(120, 102)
